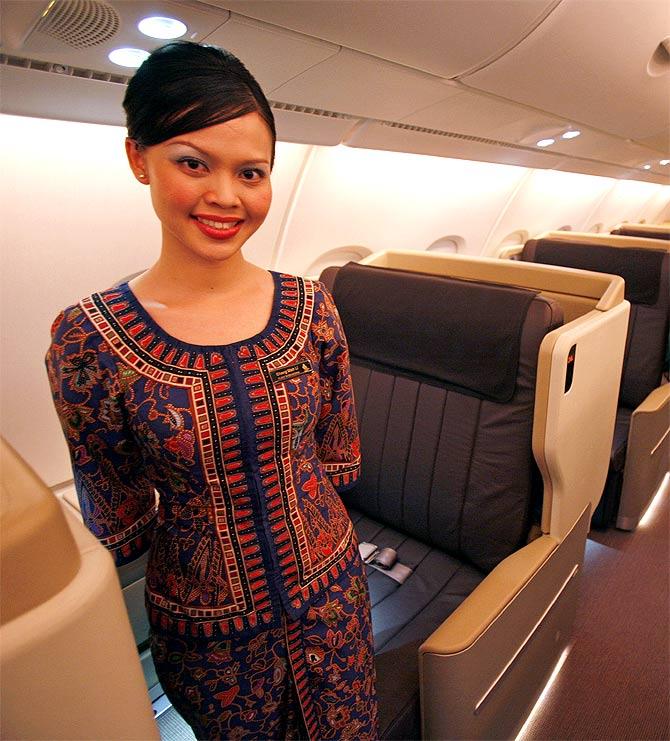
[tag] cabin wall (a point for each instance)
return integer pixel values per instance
(74, 220)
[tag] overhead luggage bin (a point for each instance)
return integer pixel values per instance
(70, 669)
(453, 411)
(640, 455)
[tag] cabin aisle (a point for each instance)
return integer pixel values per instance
(615, 681)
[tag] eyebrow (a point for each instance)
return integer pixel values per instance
(204, 153)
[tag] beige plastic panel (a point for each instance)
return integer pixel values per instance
(647, 456)
(573, 429)
(70, 669)
(484, 667)
(32, 530)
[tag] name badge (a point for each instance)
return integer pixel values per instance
(290, 371)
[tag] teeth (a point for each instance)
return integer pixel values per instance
(218, 224)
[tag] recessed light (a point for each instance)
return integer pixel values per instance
(161, 27)
(127, 57)
(571, 134)
(664, 162)
(646, 167)
(545, 142)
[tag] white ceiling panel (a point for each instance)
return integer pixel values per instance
(476, 114)
(442, 37)
(305, 128)
(374, 135)
(361, 85)
(28, 92)
(588, 62)
(273, 55)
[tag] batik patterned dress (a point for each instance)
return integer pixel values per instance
(225, 462)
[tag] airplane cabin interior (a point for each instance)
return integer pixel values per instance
(484, 188)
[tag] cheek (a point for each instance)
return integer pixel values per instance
(261, 203)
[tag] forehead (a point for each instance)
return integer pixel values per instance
(246, 135)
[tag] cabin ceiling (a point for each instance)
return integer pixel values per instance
(472, 79)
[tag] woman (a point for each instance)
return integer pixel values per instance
(226, 389)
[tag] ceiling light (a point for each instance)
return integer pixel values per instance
(127, 57)
(571, 134)
(646, 167)
(545, 142)
(664, 162)
(160, 27)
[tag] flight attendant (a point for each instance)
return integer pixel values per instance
(209, 413)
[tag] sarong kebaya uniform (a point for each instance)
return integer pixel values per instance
(255, 592)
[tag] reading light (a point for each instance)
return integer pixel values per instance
(160, 27)
(571, 134)
(545, 142)
(664, 162)
(127, 57)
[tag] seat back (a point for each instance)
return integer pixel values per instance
(650, 231)
(444, 374)
(646, 272)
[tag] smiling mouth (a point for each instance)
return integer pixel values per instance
(218, 224)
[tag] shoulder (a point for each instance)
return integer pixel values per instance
(74, 325)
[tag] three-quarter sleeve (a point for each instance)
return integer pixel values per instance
(116, 497)
(338, 444)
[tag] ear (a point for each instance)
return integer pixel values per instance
(136, 160)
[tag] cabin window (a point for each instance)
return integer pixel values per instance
(450, 244)
(337, 257)
(520, 236)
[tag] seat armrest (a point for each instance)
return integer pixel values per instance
(481, 669)
(647, 456)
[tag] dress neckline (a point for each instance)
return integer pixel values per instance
(136, 305)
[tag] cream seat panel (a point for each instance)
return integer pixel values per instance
(70, 669)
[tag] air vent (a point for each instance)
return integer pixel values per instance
(311, 111)
(62, 69)
(454, 135)
(80, 23)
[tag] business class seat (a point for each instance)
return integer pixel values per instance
(67, 657)
(649, 231)
(641, 442)
(464, 376)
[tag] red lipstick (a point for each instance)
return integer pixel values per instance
(218, 227)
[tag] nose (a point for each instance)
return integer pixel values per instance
(223, 191)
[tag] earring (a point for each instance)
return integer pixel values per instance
(141, 176)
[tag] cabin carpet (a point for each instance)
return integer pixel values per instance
(615, 681)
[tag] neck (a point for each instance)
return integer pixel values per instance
(191, 278)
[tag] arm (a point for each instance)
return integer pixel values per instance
(116, 497)
(337, 430)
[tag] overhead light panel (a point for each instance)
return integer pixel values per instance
(664, 162)
(128, 57)
(571, 134)
(545, 142)
(162, 27)
(646, 167)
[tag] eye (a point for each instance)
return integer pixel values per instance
(253, 174)
(191, 164)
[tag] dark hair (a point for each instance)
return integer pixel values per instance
(183, 86)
